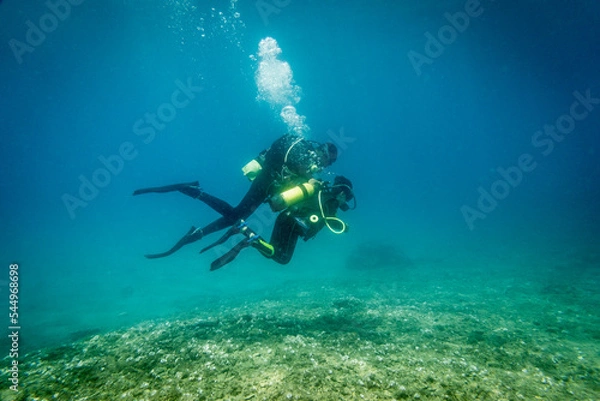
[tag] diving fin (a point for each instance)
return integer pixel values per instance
(194, 234)
(184, 187)
(237, 228)
(253, 240)
(229, 256)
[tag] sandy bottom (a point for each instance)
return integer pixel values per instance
(415, 333)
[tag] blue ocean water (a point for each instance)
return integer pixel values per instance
(469, 130)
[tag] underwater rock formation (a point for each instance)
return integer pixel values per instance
(372, 255)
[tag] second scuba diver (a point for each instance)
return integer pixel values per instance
(304, 216)
(290, 161)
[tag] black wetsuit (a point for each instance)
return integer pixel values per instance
(289, 161)
(304, 220)
(296, 222)
(278, 173)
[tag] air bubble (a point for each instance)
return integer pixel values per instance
(274, 80)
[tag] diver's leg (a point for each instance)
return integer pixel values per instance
(167, 188)
(193, 190)
(284, 238)
(217, 225)
(194, 234)
(255, 196)
(262, 246)
(216, 204)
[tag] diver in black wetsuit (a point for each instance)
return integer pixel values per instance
(289, 161)
(303, 219)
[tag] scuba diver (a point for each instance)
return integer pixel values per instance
(291, 160)
(303, 216)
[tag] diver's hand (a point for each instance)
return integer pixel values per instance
(317, 184)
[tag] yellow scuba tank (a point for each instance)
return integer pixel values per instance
(293, 195)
